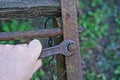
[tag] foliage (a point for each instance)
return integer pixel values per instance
(100, 41)
(15, 25)
(39, 74)
(94, 23)
(12, 26)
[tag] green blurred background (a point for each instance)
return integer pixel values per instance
(99, 43)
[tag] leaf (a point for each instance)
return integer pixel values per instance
(41, 73)
(5, 27)
(14, 25)
(23, 26)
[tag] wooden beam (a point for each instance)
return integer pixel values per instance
(10, 9)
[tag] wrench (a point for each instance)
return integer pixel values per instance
(66, 48)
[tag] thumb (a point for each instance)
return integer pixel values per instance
(37, 65)
(35, 47)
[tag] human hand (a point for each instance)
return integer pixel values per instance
(19, 62)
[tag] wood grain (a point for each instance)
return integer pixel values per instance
(28, 8)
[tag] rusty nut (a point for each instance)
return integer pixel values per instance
(72, 47)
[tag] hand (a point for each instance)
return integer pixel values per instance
(19, 62)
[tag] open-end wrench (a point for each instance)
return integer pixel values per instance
(67, 48)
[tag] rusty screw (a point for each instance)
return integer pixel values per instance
(72, 47)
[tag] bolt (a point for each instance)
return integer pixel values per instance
(72, 47)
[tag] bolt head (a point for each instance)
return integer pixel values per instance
(72, 47)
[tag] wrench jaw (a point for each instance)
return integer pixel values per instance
(66, 48)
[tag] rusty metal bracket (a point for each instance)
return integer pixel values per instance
(70, 31)
(67, 48)
(34, 33)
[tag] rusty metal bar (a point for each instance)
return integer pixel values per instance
(70, 31)
(34, 33)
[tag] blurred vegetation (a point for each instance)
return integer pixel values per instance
(100, 42)
(14, 25)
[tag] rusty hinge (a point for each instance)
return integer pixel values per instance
(67, 48)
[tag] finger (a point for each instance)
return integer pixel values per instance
(6, 47)
(37, 65)
(35, 48)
